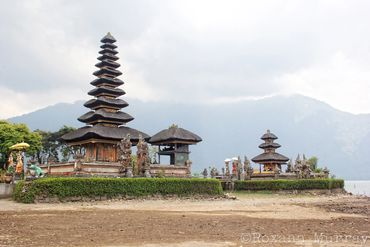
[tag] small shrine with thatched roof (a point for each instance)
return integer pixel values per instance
(174, 142)
(270, 159)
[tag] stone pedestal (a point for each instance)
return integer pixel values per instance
(147, 173)
(129, 172)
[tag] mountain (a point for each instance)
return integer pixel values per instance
(340, 140)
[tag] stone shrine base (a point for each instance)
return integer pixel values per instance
(111, 169)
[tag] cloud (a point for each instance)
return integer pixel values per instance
(199, 51)
(338, 79)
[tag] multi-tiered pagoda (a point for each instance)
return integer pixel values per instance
(270, 159)
(105, 123)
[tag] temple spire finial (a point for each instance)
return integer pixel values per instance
(108, 38)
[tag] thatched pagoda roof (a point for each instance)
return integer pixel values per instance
(104, 132)
(107, 102)
(269, 145)
(108, 45)
(107, 62)
(113, 82)
(104, 90)
(270, 157)
(269, 136)
(174, 134)
(104, 116)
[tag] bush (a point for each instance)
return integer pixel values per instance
(27, 192)
(297, 184)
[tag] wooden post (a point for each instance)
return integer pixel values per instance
(96, 151)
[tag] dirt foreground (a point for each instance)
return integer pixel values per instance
(251, 220)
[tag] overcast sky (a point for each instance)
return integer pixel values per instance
(201, 51)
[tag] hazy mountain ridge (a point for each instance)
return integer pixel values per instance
(303, 125)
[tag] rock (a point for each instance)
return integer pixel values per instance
(74, 198)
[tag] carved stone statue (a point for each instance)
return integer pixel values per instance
(205, 173)
(188, 164)
(301, 167)
(227, 168)
(297, 169)
(9, 176)
(19, 166)
(79, 157)
(289, 168)
(326, 172)
(11, 167)
(143, 161)
(239, 169)
(124, 154)
(306, 169)
(248, 169)
(11, 159)
(249, 172)
(214, 172)
(276, 171)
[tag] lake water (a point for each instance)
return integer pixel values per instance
(358, 187)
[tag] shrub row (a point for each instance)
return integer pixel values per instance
(26, 192)
(297, 184)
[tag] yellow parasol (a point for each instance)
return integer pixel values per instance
(20, 146)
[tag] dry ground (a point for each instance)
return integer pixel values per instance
(251, 220)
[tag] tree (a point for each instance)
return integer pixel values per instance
(53, 145)
(11, 134)
(313, 161)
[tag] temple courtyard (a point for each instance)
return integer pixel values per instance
(258, 219)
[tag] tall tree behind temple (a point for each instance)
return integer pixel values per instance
(53, 145)
(11, 134)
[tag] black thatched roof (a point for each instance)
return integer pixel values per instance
(269, 145)
(107, 71)
(103, 90)
(107, 62)
(105, 116)
(115, 82)
(268, 135)
(103, 132)
(270, 157)
(108, 45)
(108, 50)
(175, 134)
(106, 102)
(108, 56)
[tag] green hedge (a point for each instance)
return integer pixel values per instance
(26, 192)
(296, 184)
